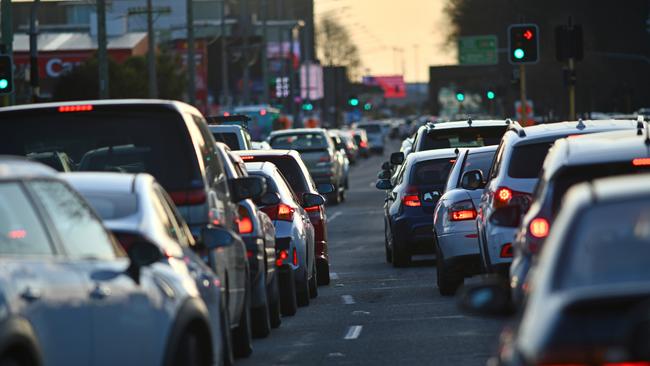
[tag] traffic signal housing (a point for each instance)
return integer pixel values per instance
(523, 44)
(6, 75)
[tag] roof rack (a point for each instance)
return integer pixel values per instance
(516, 127)
(581, 125)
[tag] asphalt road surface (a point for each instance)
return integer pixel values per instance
(372, 313)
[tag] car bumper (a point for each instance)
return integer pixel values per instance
(496, 237)
(415, 234)
(459, 244)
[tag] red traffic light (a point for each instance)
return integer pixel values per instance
(528, 34)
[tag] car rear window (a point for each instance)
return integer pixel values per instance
(461, 137)
(371, 128)
(431, 171)
(526, 160)
(131, 140)
(112, 205)
(228, 138)
(300, 141)
(289, 169)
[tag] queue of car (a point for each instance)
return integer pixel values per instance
(161, 235)
(568, 202)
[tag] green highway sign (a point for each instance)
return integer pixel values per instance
(478, 50)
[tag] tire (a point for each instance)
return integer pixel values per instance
(226, 340)
(389, 252)
(313, 284)
(302, 291)
(275, 315)
(334, 198)
(449, 279)
(400, 257)
(323, 271)
(261, 325)
(342, 196)
(242, 335)
(189, 351)
(288, 302)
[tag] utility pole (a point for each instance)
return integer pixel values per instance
(33, 52)
(279, 15)
(225, 92)
(151, 54)
(191, 61)
(7, 39)
(265, 64)
(102, 53)
(572, 90)
(245, 22)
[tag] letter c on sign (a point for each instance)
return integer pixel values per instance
(54, 67)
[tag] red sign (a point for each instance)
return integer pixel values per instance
(393, 86)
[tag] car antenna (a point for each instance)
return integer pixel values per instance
(581, 125)
(469, 120)
(456, 151)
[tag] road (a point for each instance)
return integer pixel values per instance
(373, 313)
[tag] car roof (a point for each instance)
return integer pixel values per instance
(17, 167)
(476, 150)
(549, 130)
(467, 123)
(298, 130)
(595, 148)
(433, 154)
(105, 181)
(273, 152)
(179, 106)
(225, 128)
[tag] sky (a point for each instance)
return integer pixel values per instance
(394, 37)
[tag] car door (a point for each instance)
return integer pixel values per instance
(129, 323)
(48, 290)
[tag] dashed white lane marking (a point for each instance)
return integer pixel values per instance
(333, 216)
(353, 332)
(334, 276)
(348, 299)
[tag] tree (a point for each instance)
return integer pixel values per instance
(335, 47)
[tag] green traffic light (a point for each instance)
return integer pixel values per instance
(354, 102)
(308, 107)
(519, 54)
(367, 106)
(4, 83)
(460, 97)
(490, 94)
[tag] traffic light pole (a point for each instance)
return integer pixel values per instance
(151, 55)
(102, 53)
(572, 90)
(225, 93)
(7, 40)
(522, 94)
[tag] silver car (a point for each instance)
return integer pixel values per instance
(134, 207)
(70, 295)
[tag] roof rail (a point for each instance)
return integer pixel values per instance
(581, 125)
(516, 127)
(508, 121)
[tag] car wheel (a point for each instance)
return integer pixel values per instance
(389, 253)
(449, 279)
(401, 258)
(302, 291)
(288, 302)
(226, 340)
(190, 351)
(261, 323)
(242, 335)
(323, 271)
(274, 305)
(342, 196)
(313, 284)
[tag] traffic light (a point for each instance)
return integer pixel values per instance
(523, 44)
(490, 94)
(353, 101)
(6, 75)
(367, 106)
(460, 96)
(307, 106)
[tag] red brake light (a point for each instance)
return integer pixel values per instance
(312, 209)
(411, 200)
(506, 250)
(641, 162)
(247, 157)
(190, 197)
(249, 254)
(295, 257)
(17, 234)
(504, 195)
(245, 225)
(363, 144)
(279, 261)
(76, 108)
(539, 227)
(263, 112)
(226, 114)
(281, 212)
(463, 215)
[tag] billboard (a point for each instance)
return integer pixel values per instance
(393, 85)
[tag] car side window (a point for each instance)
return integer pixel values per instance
(21, 230)
(211, 158)
(496, 164)
(80, 231)
(183, 232)
(164, 215)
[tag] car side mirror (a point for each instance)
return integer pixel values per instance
(472, 180)
(217, 237)
(269, 199)
(325, 188)
(142, 253)
(386, 166)
(488, 297)
(247, 187)
(384, 184)
(384, 174)
(508, 216)
(397, 158)
(312, 200)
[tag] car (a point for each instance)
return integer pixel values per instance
(589, 289)
(455, 237)
(409, 205)
(135, 208)
(468, 133)
(342, 156)
(513, 176)
(571, 161)
(54, 159)
(319, 154)
(63, 271)
(231, 130)
(258, 232)
(167, 139)
(376, 135)
(351, 149)
(361, 139)
(260, 145)
(295, 172)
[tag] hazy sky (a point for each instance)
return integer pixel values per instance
(380, 26)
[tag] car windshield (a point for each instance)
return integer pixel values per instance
(112, 205)
(228, 138)
(461, 137)
(609, 246)
(128, 141)
(299, 141)
(527, 160)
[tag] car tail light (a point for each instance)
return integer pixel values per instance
(411, 197)
(462, 211)
(363, 144)
(641, 162)
(17, 234)
(249, 254)
(279, 261)
(506, 250)
(539, 228)
(75, 108)
(189, 197)
(245, 223)
(247, 157)
(295, 257)
(504, 196)
(281, 212)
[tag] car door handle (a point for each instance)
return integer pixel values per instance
(31, 294)
(100, 292)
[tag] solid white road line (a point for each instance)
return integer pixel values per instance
(333, 216)
(348, 299)
(353, 332)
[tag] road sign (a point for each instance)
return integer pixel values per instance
(527, 118)
(478, 50)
